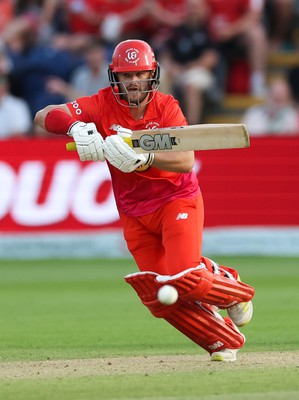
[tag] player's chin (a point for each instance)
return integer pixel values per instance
(133, 95)
(139, 99)
(134, 100)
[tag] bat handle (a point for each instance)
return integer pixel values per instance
(128, 140)
(71, 146)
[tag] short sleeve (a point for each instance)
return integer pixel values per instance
(86, 109)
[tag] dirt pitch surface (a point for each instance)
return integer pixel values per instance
(144, 365)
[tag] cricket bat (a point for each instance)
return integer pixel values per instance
(189, 137)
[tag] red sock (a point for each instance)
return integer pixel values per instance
(58, 121)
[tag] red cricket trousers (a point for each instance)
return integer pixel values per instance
(168, 240)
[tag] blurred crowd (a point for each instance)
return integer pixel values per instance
(53, 51)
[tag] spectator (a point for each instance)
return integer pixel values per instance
(32, 64)
(157, 18)
(237, 28)
(188, 59)
(111, 20)
(83, 16)
(280, 16)
(6, 13)
(5, 64)
(277, 116)
(293, 79)
(87, 16)
(118, 19)
(28, 6)
(86, 79)
(15, 115)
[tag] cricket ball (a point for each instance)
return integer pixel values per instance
(167, 295)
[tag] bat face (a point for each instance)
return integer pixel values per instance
(157, 142)
(190, 137)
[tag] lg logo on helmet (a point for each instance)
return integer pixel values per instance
(132, 56)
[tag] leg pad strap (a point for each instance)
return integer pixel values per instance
(200, 284)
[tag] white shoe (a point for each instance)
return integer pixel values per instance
(241, 313)
(225, 355)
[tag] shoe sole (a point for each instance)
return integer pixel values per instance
(219, 357)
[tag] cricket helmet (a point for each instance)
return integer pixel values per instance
(132, 56)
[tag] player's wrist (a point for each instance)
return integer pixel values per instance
(74, 125)
(149, 161)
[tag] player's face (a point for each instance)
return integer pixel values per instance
(135, 86)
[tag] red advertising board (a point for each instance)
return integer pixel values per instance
(45, 188)
(257, 186)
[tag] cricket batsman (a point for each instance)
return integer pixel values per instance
(159, 201)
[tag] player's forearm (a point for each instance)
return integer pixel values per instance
(182, 161)
(42, 118)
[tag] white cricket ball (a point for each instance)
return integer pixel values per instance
(167, 295)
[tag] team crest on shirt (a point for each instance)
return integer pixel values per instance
(152, 125)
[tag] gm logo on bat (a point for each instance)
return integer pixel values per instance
(155, 142)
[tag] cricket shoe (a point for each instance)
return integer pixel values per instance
(225, 355)
(241, 313)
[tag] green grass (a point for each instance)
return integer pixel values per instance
(183, 386)
(69, 309)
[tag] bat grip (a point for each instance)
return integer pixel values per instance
(128, 140)
(71, 146)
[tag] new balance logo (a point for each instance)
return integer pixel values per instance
(215, 345)
(182, 216)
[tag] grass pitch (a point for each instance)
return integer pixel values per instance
(74, 330)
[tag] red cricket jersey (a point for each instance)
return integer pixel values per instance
(138, 194)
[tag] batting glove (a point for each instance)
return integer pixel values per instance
(125, 133)
(122, 156)
(122, 132)
(89, 141)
